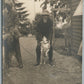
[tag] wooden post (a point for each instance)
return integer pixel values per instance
(53, 38)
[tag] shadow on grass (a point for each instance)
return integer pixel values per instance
(62, 50)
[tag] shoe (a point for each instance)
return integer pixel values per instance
(36, 64)
(20, 66)
(51, 64)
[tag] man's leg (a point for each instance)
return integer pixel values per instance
(18, 55)
(38, 52)
(19, 59)
(50, 55)
(7, 59)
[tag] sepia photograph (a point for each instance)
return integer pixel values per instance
(42, 41)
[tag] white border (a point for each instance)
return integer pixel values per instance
(1, 43)
(83, 48)
(0, 47)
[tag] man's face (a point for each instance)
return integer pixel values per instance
(45, 18)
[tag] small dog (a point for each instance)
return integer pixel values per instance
(45, 47)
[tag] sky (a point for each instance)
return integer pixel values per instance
(79, 9)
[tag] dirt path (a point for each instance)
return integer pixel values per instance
(67, 69)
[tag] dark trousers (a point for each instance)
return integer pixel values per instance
(12, 47)
(8, 56)
(18, 53)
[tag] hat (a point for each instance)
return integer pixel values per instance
(45, 12)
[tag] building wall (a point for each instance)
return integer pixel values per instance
(76, 33)
(76, 26)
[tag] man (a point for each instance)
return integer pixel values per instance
(11, 44)
(44, 28)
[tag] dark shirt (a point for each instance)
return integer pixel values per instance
(44, 29)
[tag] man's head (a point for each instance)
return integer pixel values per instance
(45, 19)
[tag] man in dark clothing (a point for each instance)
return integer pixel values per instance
(44, 28)
(12, 47)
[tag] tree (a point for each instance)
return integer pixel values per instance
(24, 23)
(15, 15)
(62, 15)
(44, 4)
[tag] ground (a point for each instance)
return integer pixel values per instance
(67, 69)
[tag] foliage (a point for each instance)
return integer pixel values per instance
(15, 16)
(44, 4)
(24, 23)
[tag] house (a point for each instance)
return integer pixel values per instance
(76, 22)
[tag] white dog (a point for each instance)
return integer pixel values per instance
(45, 47)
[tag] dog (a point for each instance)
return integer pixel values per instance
(45, 47)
